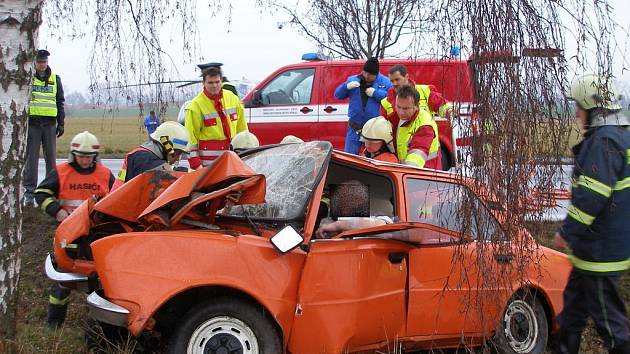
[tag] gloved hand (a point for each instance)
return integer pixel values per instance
(369, 91)
(61, 215)
(352, 85)
(59, 130)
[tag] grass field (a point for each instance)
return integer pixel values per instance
(116, 135)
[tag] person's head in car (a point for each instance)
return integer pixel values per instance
(349, 199)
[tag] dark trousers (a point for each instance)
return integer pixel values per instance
(598, 297)
(40, 133)
(57, 305)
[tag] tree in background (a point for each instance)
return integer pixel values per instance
(355, 29)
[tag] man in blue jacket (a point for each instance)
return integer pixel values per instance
(365, 92)
(597, 228)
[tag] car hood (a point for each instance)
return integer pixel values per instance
(164, 198)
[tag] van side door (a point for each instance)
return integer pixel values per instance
(286, 104)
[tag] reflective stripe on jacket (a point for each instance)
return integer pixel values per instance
(44, 97)
(209, 134)
(410, 154)
(74, 188)
(596, 226)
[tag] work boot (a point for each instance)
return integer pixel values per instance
(56, 315)
(569, 343)
(621, 349)
(29, 202)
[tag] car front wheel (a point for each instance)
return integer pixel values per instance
(523, 328)
(226, 326)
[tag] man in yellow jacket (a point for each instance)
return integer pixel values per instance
(213, 118)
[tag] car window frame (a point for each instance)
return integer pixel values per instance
(271, 81)
(482, 203)
(302, 213)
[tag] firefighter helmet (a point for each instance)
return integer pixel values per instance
(172, 136)
(592, 91)
(378, 128)
(244, 140)
(84, 143)
(290, 139)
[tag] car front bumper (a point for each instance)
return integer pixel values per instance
(105, 311)
(53, 274)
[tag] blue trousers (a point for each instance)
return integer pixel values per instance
(597, 297)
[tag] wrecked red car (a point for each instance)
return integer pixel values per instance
(224, 259)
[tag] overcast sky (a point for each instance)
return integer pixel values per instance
(252, 48)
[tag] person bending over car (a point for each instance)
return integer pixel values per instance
(349, 210)
(164, 148)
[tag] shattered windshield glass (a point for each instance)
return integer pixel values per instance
(291, 172)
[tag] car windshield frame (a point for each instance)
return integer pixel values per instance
(301, 211)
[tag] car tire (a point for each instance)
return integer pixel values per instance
(523, 327)
(225, 323)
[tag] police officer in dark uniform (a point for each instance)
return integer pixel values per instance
(596, 227)
(45, 122)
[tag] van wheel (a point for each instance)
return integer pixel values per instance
(446, 158)
(523, 329)
(225, 326)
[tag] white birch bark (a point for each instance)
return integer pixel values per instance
(19, 23)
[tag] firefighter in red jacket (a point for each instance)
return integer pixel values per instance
(62, 191)
(415, 132)
(213, 118)
(429, 100)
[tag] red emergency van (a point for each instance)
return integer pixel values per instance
(298, 99)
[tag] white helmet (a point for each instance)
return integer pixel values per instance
(181, 116)
(592, 91)
(85, 143)
(244, 140)
(289, 139)
(378, 128)
(172, 136)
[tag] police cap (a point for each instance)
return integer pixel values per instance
(43, 54)
(209, 65)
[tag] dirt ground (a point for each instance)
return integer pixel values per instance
(34, 336)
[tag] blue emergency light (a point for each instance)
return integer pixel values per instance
(314, 57)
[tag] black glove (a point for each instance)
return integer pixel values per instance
(59, 130)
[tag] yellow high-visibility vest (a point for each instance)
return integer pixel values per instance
(44, 97)
(404, 135)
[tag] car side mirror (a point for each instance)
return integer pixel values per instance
(287, 239)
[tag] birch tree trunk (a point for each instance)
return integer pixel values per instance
(19, 23)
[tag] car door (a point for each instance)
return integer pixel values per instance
(352, 295)
(455, 289)
(286, 105)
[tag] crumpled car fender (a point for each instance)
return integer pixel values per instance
(142, 271)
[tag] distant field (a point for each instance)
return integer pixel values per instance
(116, 135)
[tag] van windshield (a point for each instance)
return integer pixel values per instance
(292, 172)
